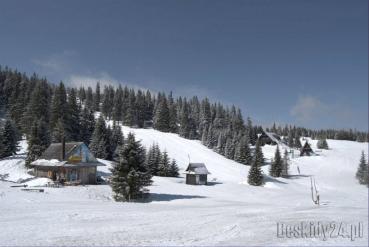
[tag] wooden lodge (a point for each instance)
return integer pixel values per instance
(306, 150)
(196, 174)
(70, 162)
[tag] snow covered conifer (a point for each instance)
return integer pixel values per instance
(297, 142)
(99, 145)
(322, 144)
(174, 170)
(87, 124)
(285, 165)
(9, 139)
(276, 167)
(130, 176)
(242, 151)
(255, 176)
(164, 165)
(362, 171)
(161, 117)
(38, 140)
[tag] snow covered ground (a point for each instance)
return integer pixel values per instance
(226, 212)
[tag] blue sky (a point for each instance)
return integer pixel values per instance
(297, 62)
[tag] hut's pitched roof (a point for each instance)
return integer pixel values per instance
(307, 147)
(197, 168)
(54, 151)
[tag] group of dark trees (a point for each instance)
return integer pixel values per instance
(160, 164)
(292, 132)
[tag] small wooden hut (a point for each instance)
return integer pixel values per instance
(196, 174)
(67, 162)
(306, 150)
(268, 138)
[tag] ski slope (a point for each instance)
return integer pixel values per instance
(226, 212)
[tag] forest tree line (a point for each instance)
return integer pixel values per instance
(45, 112)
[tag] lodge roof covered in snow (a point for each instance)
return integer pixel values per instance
(197, 168)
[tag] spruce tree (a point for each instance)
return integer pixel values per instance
(74, 115)
(276, 166)
(99, 144)
(116, 140)
(161, 117)
(255, 176)
(87, 125)
(164, 165)
(174, 170)
(9, 139)
(97, 97)
(297, 142)
(242, 152)
(285, 165)
(38, 140)
(362, 171)
(322, 144)
(151, 160)
(130, 176)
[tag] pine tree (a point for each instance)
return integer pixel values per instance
(164, 165)
(322, 144)
(172, 114)
(97, 97)
(151, 160)
(173, 170)
(99, 145)
(116, 140)
(130, 176)
(74, 114)
(242, 152)
(38, 140)
(285, 165)
(59, 108)
(255, 176)
(161, 117)
(229, 148)
(87, 125)
(297, 142)
(9, 139)
(276, 167)
(362, 171)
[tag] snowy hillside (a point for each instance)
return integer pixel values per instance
(227, 212)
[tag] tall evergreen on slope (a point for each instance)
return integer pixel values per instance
(87, 125)
(322, 144)
(164, 165)
(59, 108)
(38, 140)
(99, 145)
(243, 152)
(173, 170)
(74, 116)
(161, 117)
(255, 176)
(38, 106)
(116, 140)
(276, 167)
(285, 165)
(97, 97)
(362, 171)
(9, 139)
(130, 176)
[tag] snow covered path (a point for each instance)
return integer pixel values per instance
(226, 212)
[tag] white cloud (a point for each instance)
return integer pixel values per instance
(55, 63)
(307, 108)
(103, 78)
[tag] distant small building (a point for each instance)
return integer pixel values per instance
(67, 162)
(196, 174)
(306, 150)
(148, 124)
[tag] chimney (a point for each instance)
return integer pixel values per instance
(63, 148)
